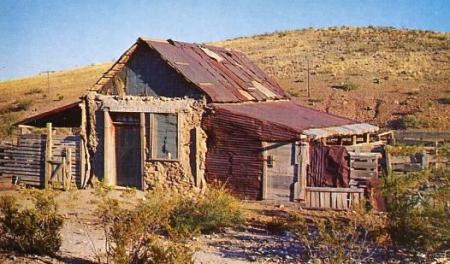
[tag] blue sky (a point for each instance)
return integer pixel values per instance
(54, 35)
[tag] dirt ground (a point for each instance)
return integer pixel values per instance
(83, 238)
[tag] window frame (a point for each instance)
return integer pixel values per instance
(151, 138)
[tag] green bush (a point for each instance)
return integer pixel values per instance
(419, 214)
(35, 231)
(211, 212)
(411, 121)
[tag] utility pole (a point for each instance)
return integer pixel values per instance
(309, 88)
(48, 81)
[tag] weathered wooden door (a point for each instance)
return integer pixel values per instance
(128, 155)
(281, 171)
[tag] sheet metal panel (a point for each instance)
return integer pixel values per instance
(227, 71)
(297, 118)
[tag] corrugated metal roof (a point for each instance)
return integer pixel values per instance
(224, 75)
(302, 119)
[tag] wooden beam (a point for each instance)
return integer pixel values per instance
(197, 175)
(354, 140)
(367, 137)
(48, 155)
(304, 161)
(264, 171)
(143, 144)
(108, 174)
(84, 165)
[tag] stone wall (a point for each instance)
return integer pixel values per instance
(181, 175)
(185, 173)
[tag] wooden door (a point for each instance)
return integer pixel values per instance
(281, 171)
(128, 155)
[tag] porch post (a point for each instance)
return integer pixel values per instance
(304, 161)
(108, 174)
(143, 143)
(264, 171)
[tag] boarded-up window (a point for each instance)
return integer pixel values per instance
(162, 142)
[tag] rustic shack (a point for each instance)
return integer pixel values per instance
(177, 115)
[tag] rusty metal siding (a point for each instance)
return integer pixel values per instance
(234, 154)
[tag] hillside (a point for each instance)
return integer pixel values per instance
(389, 77)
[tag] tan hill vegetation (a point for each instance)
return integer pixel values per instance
(391, 77)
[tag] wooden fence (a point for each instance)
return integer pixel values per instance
(364, 166)
(35, 160)
(333, 198)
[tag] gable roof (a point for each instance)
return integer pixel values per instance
(223, 75)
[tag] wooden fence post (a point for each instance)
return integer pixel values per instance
(68, 178)
(48, 155)
(388, 161)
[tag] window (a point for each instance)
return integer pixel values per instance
(163, 136)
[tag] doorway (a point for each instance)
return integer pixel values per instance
(281, 170)
(128, 151)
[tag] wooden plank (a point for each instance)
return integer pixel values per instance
(362, 173)
(364, 165)
(333, 189)
(308, 199)
(326, 200)
(322, 199)
(334, 199)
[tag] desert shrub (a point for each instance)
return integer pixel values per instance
(33, 91)
(17, 106)
(35, 230)
(348, 86)
(6, 123)
(411, 121)
(133, 235)
(418, 209)
(277, 226)
(444, 100)
(335, 239)
(404, 150)
(210, 212)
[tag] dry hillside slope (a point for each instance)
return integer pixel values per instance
(390, 77)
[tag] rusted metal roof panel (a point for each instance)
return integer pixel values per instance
(224, 75)
(297, 118)
(60, 116)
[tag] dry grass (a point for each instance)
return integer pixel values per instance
(397, 72)
(65, 87)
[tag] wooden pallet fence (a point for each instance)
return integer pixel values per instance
(333, 198)
(364, 166)
(30, 163)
